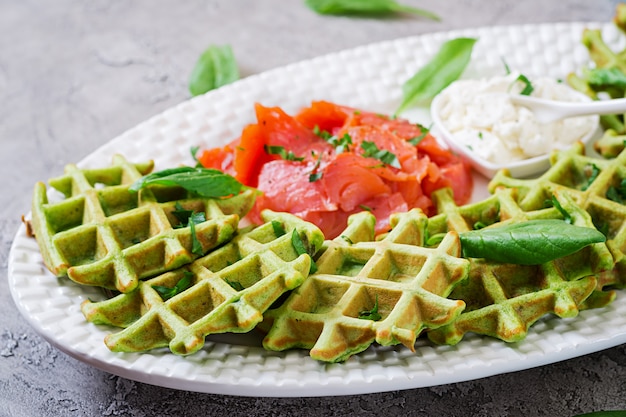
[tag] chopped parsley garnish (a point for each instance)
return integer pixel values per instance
(302, 248)
(315, 175)
(189, 218)
(181, 214)
(435, 239)
(566, 216)
(528, 86)
(166, 293)
(340, 144)
(507, 70)
(617, 194)
(593, 172)
(371, 151)
(278, 227)
(372, 314)
(282, 152)
(417, 139)
(196, 246)
(236, 285)
(324, 134)
(479, 225)
(194, 154)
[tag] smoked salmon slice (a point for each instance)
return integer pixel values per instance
(329, 161)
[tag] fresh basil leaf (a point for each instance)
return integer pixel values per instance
(166, 293)
(444, 68)
(205, 182)
(367, 7)
(528, 243)
(215, 67)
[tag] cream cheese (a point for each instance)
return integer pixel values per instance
(480, 116)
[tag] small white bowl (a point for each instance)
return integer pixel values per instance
(522, 168)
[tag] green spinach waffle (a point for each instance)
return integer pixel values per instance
(227, 290)
(595, 186)
(102, 234)
(367, 290)
(504, 300)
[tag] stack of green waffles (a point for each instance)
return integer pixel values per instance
(171, 283)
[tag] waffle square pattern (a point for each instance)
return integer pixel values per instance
(227, 290)
(367, 290)
(100, 233)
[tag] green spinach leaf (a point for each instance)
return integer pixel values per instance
(444, 68)
(205, 182)
(528, 243)
(215, 67)
(365, 7)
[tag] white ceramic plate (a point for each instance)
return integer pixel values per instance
(368, 77)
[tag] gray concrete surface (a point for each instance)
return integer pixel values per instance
(76, 73)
